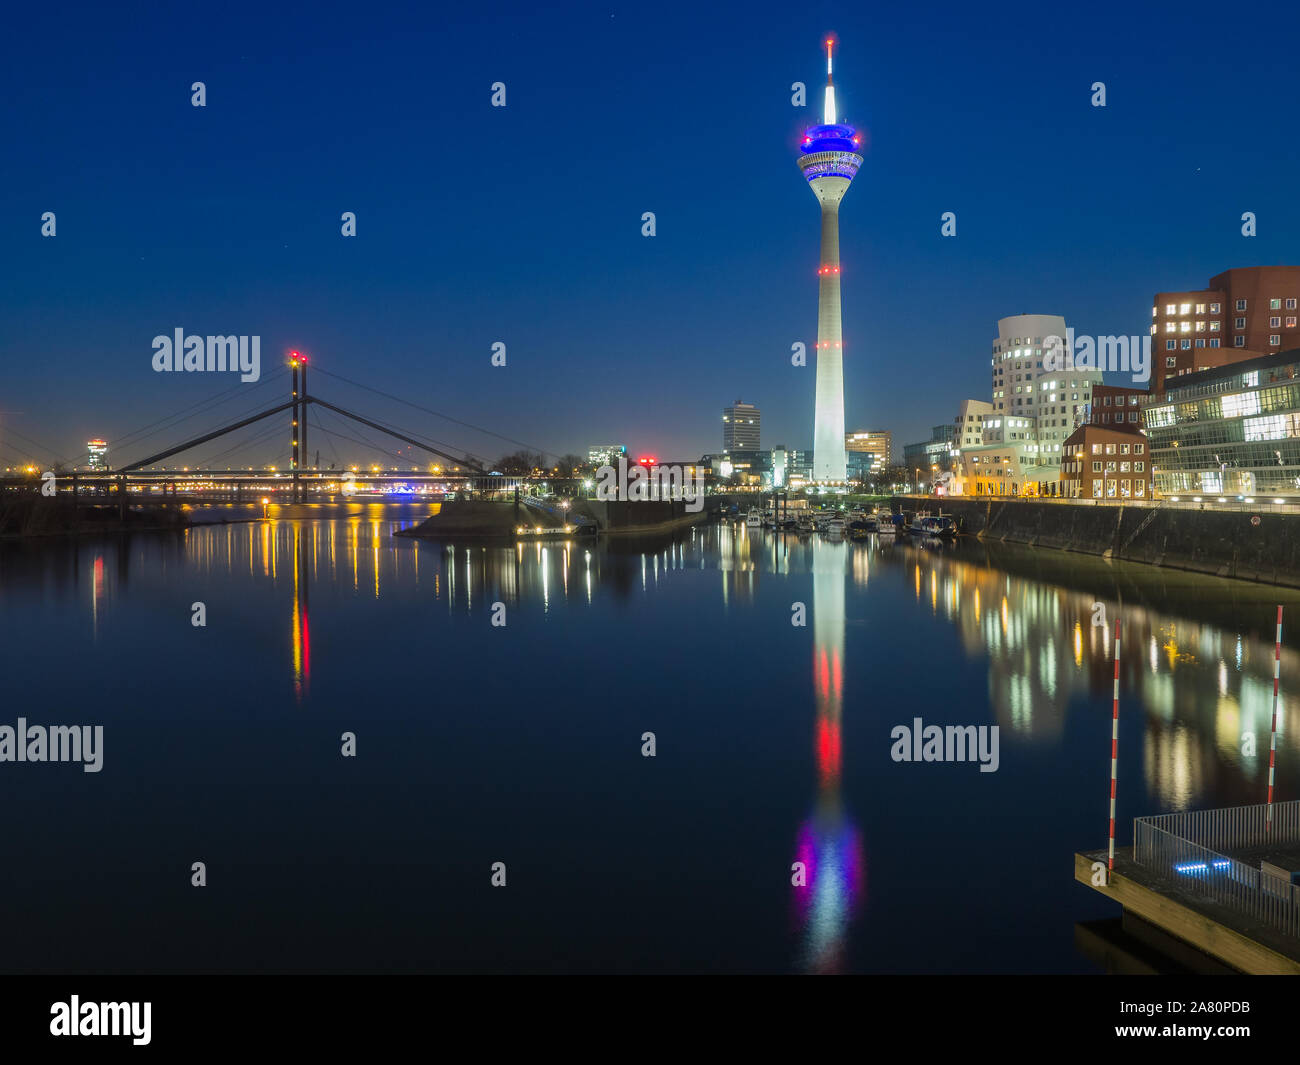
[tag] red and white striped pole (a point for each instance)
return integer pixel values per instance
(1272, 742)
(1114, 748)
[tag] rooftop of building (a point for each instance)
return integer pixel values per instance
(1093, 429)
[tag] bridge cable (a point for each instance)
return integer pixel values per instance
(436, 414)
(177, 418)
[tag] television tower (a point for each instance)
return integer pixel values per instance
(829, 160)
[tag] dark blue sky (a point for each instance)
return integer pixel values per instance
(522, 225)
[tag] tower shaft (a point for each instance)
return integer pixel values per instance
(829, 460)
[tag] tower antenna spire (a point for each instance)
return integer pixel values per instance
(829, 115)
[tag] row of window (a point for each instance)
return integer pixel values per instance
(1186, 308)
(1180, 309)
(1107, 467)
(1138, 489)
(1123, 449)
(1274, 341)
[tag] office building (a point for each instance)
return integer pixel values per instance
(606, 454)
(1106, 462)
(1032, 412)
(1244, 313)
(879, 442)
(741, 427)
(1231, 431)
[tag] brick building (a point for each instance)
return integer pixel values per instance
(1106, 462)
(1244, 313)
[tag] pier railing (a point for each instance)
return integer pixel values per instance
(1186, 851)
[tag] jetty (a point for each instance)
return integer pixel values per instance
(530, 518)
(1225, 883)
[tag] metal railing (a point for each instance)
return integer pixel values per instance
(1160, 502)
(1186, 852)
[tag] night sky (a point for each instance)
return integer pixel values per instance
(523, 224)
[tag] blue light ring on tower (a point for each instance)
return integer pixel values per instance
(832, 138)
(830, 164)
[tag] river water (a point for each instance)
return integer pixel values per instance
(522, 743)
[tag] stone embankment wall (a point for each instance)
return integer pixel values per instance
(1226, 543)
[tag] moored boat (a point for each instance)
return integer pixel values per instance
(834, 528)
(939, 526)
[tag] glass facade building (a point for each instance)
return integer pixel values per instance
(1229, 431)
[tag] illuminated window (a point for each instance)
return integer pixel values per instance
(1290, 321)
(1214, 326)
(1214, 308)
(1184, 327)
(1171, 327)
(1274, 305)
(1239, 405)
(1200, 308)
(1200, 327)
(1139, 488)
(1171, 308)
(1139, 467)
(1185, 308)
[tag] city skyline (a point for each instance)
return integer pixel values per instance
(428, 492)
(200, 243)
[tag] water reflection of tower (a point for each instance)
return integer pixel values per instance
(301, 634)
(829, 845)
